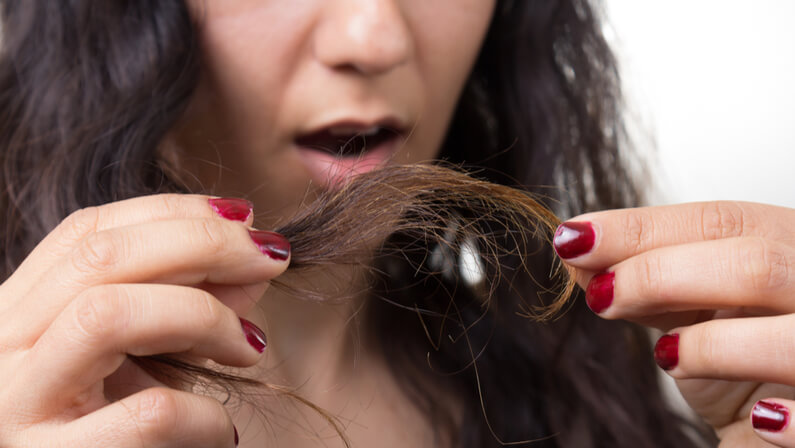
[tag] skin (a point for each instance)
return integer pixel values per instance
(317, 62)
(720, 275)
(167, 274)
(314, 63)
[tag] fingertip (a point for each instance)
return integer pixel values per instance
(770, 416)
(271, 244)
(254, 335)
(233, 209)
(770, 419)
(574, 239)
(600, 292)
(666, 351)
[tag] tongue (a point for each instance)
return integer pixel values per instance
(343, 145)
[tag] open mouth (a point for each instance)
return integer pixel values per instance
(349, 141)
(335, 153)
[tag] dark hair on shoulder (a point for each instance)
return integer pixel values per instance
(88, 90)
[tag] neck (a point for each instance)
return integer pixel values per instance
(311, 344)
(320, 352)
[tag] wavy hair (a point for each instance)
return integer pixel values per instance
(89, 89)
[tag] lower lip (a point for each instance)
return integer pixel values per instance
(333, 171)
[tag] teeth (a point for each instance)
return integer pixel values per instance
(342, 131)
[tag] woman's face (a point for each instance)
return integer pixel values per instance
(305, 92)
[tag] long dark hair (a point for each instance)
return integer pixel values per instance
(88, 89)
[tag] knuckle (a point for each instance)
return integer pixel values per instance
(169, 204)
(159, 414)
(722, 219)
(653, 277)
(210, 314)
(100, 312)
(763, 266)
(211, 235)
(97, 253)
(215, 416)
(156, 412)
(216, 413)
(639, 231)
(79, 224)
(708, 351)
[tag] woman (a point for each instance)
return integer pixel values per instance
(105, 101)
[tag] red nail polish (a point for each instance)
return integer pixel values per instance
(232, 209)
(254, 335)
(599, 293)
(573, 239)
(271, 244)
(769, 416)
(666, 351)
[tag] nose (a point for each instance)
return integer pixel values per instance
(369, 36)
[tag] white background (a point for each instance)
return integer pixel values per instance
(712, 84)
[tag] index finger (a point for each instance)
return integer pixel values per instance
(128, 212)
(598, 240)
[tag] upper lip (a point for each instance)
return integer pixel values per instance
(358, 125)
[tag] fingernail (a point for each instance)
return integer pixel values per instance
(599, 293)
(666, 351)
(232, 209)
(573, 239)
(271, 244)
(254, 335)
(769, 416)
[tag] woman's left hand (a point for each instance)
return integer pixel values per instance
(719, 279)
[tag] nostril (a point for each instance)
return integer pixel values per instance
(371, 39)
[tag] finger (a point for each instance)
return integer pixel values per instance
(743, 349)
(597, 240)
(92, 337)
(770, 419)
(158, 417)
(750, 273)
(186, 252)
(129, 212)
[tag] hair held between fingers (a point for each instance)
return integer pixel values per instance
(353, 225)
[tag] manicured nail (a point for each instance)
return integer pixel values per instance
(271, 244)
(769, 416)
(666, 351)
(573, 239)
(599, 293)
(232, 208)
(237, 439)
(254, 335)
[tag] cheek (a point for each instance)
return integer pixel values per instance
(247, 65)
(251, 70)
(446, 52)
(449, 46)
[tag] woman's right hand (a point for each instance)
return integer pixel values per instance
(145, 276)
